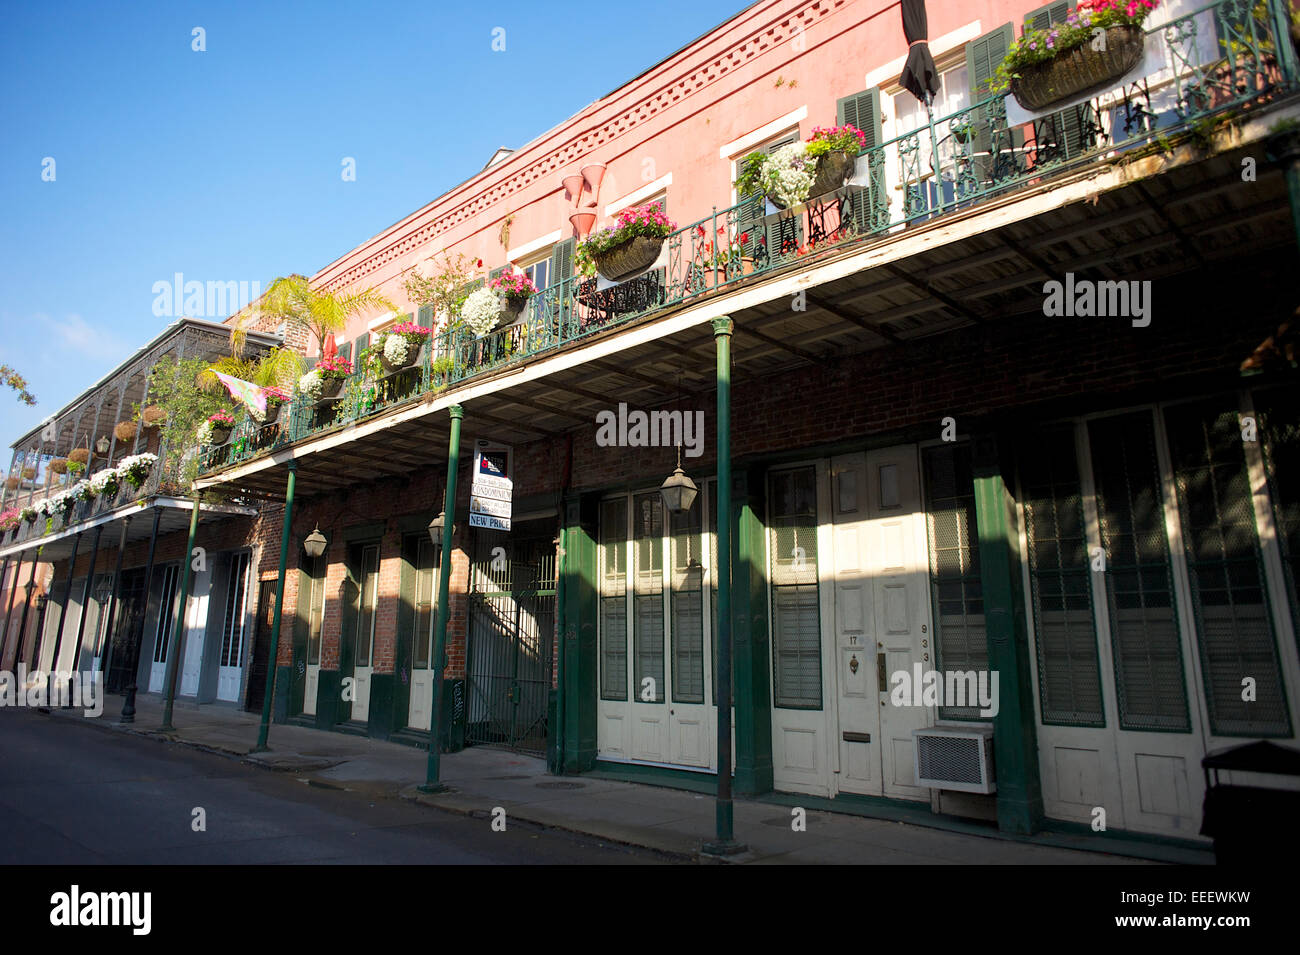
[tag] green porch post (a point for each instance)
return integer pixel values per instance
(286, 535)
(432, 784)
(1283, 149)
(578, 627)
(724, 842)
(1015, 745)
(173, 655)
(749, 629)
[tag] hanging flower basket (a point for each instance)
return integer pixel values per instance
(11, 483)
(1079, 70)
(125, 431)
(833, 170)
(29, 473)
(628, 257)
(80, 455)
(330, 387)
(58, 465)
(153, 416)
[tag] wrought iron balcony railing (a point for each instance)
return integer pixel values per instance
(1228, 56)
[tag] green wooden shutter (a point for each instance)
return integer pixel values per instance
(863, 111)
(427, 318)
(561, 274)
(1064, 126)
(496, 272)
(345, 351)
(363, 342)
(983, 56)
(1046, 15)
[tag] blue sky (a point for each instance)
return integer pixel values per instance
(224, 165)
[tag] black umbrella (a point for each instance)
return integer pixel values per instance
(919, 78)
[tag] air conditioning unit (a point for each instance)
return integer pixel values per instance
(955, 757)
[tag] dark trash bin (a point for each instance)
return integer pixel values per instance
(1250, 824)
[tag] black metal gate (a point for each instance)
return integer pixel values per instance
(511, 642)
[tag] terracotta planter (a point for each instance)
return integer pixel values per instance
(627, 258)
(832, 171)
(1080, 70)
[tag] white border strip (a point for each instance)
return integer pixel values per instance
(645, 192)
(528, 248)
(886, 77)
(750, 140)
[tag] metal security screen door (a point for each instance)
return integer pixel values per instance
(511, 639)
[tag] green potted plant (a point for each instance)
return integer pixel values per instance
(1060, 62)
(630, 245)
(836, 149)
(76, 468)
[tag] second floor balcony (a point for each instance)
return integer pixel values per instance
(1225, 66)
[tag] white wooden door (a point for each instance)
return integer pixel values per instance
(235, 622)
(420, 707)
(164, 628)
(196, 617)
(881, 617)
(648, 600)
(899, 571)
(692, 739)
(363, 665)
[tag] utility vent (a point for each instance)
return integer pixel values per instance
(956, 758)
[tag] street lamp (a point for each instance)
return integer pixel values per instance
(678, 490)
(315, 543)
(436, 525)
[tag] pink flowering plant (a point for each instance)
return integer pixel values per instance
(221, 419)
(9, 519)
(1039, 46)
(514, 285)
(834, 139)
(413, 333)
(647, 220)
(274, 393)
(334, 366)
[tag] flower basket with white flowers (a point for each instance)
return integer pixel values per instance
(105, 483)
(135, 469)
(481, 311)
(29, 514)
(399, 347)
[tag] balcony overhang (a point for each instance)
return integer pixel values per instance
(1123, 217)
(173, 515)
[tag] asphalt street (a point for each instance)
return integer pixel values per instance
(76, 795)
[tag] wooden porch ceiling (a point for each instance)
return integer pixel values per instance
(1175, 223)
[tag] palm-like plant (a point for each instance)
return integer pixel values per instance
(279, 366)
(292, 299)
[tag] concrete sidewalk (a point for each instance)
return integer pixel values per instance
(653, 817)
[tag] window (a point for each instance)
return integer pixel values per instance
(1151, 691)
(1224, 564)
(667, 627)
(960, 640)
(1069, 677)
(796, 616)
(426, 602)
(166, 613)
(316, 605)
(366, 604)
(770, 237)
(232, 630)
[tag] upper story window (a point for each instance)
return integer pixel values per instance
(539, 271)
(953, 95)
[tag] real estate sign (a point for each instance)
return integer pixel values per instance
(492, 486)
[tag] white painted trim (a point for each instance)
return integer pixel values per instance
(887, 75)
(528, 248)
(645, 192)
(379, 322)
(750, 140)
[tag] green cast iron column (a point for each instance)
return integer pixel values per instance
(1015, 746)
(580, 688)
(286, 534)
(749, 637)
(178, 638)
(431, 783)
(724, 842)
